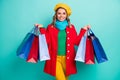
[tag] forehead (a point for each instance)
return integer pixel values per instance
(61, 10)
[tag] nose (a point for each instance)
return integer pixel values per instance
(60, 15)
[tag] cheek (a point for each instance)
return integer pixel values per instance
(58, 15)
(65, 16)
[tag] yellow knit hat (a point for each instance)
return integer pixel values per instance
(65, 6)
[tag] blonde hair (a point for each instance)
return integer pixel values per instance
(54, 18)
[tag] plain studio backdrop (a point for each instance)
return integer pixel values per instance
(17, 18)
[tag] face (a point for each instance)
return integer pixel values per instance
(61, 14)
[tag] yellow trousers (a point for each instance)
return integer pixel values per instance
(61, 68)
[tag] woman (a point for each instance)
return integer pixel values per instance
(61, 37)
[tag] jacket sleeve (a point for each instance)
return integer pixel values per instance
(46, 32)
(78, 38)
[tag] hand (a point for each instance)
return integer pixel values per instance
(86, 27)
(38, 25)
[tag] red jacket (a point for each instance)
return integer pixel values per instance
(51, 34)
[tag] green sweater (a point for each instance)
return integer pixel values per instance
(62, 43)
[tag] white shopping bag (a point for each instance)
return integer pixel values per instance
(43, 48)
(80, 55)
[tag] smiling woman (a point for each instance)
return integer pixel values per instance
(61, 37)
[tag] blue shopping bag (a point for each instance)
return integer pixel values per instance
(80, 55)
(99, 51)
(24, 48)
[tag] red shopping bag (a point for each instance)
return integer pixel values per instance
(34, 51)
(89, 55)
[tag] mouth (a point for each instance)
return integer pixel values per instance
(61, 19)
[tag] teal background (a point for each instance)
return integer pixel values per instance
(17, 17)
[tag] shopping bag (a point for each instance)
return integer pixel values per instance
(34, 51)
(80, 54)
(24, 48)
(43, 48)
(89, 54)
(99, 51)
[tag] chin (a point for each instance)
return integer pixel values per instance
(61, 20)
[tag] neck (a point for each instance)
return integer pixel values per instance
(61, 25)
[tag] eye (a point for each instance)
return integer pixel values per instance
(64, 13)
(58, 13)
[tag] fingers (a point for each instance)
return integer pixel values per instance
(38, 25)
(87, 27)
